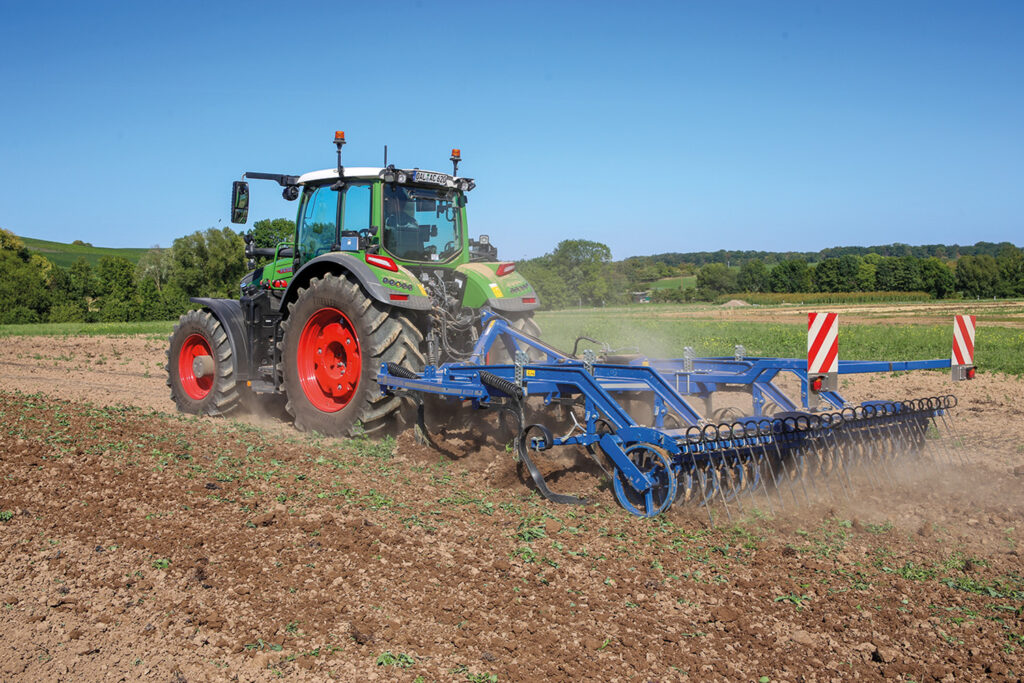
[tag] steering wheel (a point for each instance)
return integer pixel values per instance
(448, 247)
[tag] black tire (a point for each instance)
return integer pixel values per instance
(527, 325)
(217, 393)
(381, 334)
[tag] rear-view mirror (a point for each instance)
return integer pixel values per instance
(239, 201)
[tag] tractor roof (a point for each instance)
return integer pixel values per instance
(350, 172)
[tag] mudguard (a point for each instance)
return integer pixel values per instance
(229, 313)
(505, 293)
(371, 278)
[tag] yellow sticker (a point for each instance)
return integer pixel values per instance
(645, 363)
(497, 290)
(531, 373)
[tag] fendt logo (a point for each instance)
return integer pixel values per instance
(391, 282)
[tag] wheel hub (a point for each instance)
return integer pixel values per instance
(196, 367)
(329, 360)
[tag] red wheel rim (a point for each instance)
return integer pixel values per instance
(193, 347)
(329, 361)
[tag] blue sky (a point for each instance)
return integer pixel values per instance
(647, 126)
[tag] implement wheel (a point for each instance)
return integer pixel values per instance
(334, 340)
(200, 367)
(655, 463)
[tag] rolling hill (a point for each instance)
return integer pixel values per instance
(65, 254)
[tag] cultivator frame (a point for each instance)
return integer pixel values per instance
(684, 454)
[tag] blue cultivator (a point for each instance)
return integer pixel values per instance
(636, 418)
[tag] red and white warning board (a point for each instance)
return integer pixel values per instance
(963, 340)
(822, 343)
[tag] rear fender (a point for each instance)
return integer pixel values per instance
(228, 313)
(380, 283)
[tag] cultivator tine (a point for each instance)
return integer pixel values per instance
(782, 466)
(762, 462)
(702, 473)
(831, 453)
(949, 402)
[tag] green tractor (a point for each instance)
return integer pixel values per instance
(381, 269)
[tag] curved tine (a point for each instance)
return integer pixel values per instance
(705, 501)
(766, 430)
(928, 406)
(947, 420)
(834, 452)
(717, 475)
(779, 436)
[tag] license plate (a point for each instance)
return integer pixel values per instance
(430, 177)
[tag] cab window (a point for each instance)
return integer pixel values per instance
(421, 224)
(357, 207)
(318, 222)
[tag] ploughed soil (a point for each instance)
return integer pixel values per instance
(140, 544)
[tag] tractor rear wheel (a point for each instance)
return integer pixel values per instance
(200, 367)
(334, 340)
(527, 325)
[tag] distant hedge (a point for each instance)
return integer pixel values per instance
(774, 298)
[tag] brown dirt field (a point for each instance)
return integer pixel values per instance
(144, 545)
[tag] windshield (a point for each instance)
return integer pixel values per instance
(421, 224)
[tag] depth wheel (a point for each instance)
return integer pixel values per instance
(653, 462)
(333, 343)
(200, 366)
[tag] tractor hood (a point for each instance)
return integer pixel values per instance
(508, 293)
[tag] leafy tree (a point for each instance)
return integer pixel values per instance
(977, 276)
(82, 281)
(209, 263)
(9, 241)
(117, 293)
(866, 275)
(1011, 271)
(24, 286)
(791, 275)
(937, 278)
(581, 264)
(155, 265)
(837, 274)
(753, 277)
(269, 232)
(901, 274)
(714, 279)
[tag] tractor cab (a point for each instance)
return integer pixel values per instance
(401, 234)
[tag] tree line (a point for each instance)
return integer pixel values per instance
(205, 263)
(690, 261)
(574, 273)
(581, 273)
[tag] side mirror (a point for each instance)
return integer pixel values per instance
(460, 201)
(239, 201)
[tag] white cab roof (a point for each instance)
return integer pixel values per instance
(350, 172)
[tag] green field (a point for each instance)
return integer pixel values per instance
(651, 332)
(680, 282)
(156, 328)
(999, 349)
(65, 254)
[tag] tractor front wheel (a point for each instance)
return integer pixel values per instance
(200, 367)
(335, 338)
